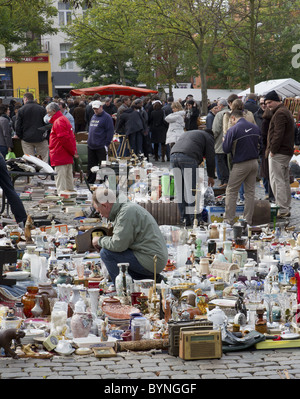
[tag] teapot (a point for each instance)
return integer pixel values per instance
(218, 317)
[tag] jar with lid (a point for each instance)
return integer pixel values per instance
(140, 328)
(19, 310)
(123, 280)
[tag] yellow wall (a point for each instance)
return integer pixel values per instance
(25, 77)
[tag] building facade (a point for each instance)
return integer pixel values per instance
(42, 75)
(58, 48)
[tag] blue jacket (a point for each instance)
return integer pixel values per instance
(101, 131)
(242, 140)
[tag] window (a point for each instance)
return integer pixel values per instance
(64, 14)
(65, 53)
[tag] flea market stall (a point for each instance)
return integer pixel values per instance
(223, 289)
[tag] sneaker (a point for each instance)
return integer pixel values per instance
(240, 202)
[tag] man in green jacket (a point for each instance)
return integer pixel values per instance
(136, 237)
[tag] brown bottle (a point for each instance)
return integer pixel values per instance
(261, 323)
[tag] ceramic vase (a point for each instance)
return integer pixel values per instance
(37, 310)
(228, 251)
(64, 292)
(47, 291)
(94, 299)
(81, 324)
(28, 300)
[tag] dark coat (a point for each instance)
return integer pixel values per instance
(281, 136)
(30, 119)
(264, 163)
(131, 121)
(158, 126)
(191, 122)
(251, 105)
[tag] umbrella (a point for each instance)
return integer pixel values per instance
(113, 90)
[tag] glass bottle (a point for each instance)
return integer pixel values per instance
(261, 322)
(123, 280)
(19, 310)
(52, 261)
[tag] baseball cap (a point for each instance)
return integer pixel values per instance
(97, 104)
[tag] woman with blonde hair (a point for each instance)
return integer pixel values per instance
(237, 104)
(176, 123)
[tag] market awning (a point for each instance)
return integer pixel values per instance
(284, 87)
(114, 90)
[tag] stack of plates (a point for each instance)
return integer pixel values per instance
(18, 275)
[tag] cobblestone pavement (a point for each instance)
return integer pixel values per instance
(257, 364)
(159, 365)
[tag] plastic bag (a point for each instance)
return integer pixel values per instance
(209, 197)
(10, 155)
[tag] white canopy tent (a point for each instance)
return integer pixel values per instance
(284, 87)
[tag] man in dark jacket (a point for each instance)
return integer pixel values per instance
(251, 103)
(133, 125)
(109, 107)
(30, 119)
(242, 142)
(186, 156)
(101, 131)
(258, 116)
(280, 149)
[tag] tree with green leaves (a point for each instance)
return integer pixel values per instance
(260, 36)
(22, 23)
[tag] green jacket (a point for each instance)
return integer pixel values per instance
(135, 228)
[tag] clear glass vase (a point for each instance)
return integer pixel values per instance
(123, 280)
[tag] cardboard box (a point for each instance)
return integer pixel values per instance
(216, 213)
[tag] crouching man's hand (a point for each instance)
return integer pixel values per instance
(95, 243)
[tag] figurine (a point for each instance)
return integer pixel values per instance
(6, 338)
(240, 305)
(29, 225)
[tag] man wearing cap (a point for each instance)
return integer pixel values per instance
(280, 149)
(101, 131)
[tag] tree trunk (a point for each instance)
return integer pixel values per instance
(203, 91)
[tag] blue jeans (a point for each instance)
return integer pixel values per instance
(185, 181)
(13, 199)
(135, 270)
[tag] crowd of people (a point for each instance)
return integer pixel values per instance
(242, 140)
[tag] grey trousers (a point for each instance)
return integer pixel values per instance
(280, 180)
(243, 172)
